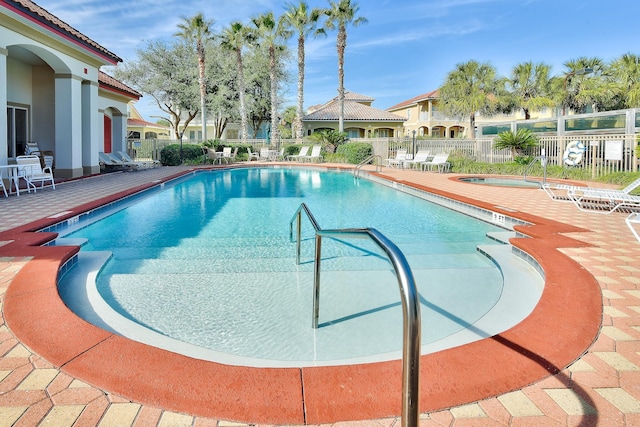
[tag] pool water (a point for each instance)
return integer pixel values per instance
(501, 182)
(207, 263)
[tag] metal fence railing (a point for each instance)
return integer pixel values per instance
(603, 154)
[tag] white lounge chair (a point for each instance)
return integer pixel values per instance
(420, 157)
(143, 163)
(440, 160)
(603, 201)
(398, 160)
(314, 156)
(560, 191)
(296, 157)
(31, 170)
(109, 161)
(633, 218)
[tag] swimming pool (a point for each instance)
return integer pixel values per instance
(218, 262)
(501, 182)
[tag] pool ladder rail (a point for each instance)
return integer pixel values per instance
(378, 164)
(408, 294)
(543, 162)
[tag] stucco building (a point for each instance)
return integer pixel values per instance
(361, 120)
(54, 92)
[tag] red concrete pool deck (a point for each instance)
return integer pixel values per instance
(574, 361)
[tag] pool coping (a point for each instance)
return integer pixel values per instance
(538, 347)
(548, 181)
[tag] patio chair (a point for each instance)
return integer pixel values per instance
(31, 170)
(143, 163)
(603, 201)
(297, 157)
(420, 157)
(398, 160)
(226, 154)
(109, 161)
(561, 192)
(233, 155)
(633, 218)
(314, 156)
(440, 160)
(4, 188)
(46, 157)
(265, 154)
(252, 155)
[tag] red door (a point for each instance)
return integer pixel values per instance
(107, 134)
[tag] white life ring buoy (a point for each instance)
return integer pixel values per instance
(573, 153)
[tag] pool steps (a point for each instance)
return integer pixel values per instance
(515, 272)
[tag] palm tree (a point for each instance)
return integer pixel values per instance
(518, 142)
(198, 29)
(305, 22)
(530, 87)
(587, 83)
(339, 15)
(271, 31)
(469, 89)
(234, 38)
(626, 71)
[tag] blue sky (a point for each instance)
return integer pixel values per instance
(406, 48)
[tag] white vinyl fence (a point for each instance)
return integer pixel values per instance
(603, 154)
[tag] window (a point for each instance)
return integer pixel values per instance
(17, 130)
(353, 133)
(408, 114)
(150, 135)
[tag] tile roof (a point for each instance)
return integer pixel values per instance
(434, 94)
(38, 14)
(106, 80)
(353, 111)
(352, 96)
(144, 123)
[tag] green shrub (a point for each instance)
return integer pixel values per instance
(292, 150)
(191, 153)
(334, 158)
(330, 139)
(355, 152)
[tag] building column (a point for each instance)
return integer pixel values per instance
(4, 153)
(119, 132)
(91, 136)
(68, 118)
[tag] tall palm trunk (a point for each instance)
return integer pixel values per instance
(244, 130)
(274, 95)
(341, 46)
(300, 107)
(203, 89)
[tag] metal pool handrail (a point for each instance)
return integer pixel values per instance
(356, 170)
(543, 162)
(408, 295)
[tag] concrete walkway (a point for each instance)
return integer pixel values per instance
(601, 388)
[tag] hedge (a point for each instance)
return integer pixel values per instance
(170, 155)
(355, 152)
